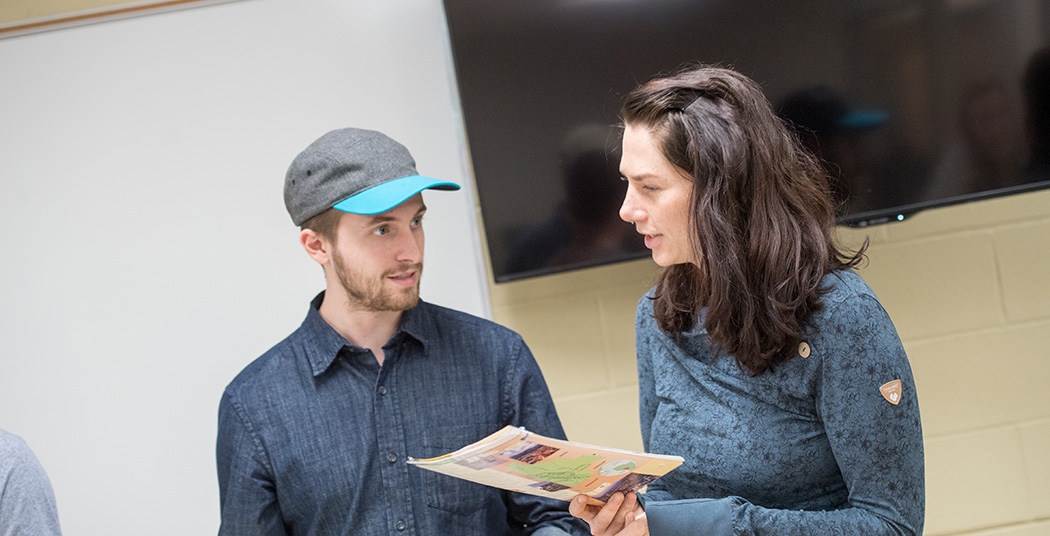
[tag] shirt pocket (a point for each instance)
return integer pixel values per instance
(448, 493)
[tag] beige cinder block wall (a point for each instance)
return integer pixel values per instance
(968, 288)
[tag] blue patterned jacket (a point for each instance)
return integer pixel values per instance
(828, 442)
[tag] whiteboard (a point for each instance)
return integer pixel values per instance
(146, 253)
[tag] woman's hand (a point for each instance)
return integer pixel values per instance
(621, 516)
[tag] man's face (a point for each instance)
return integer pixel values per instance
(378, 259)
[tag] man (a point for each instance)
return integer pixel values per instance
(314, 435)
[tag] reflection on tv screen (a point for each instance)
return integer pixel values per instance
(909, 104)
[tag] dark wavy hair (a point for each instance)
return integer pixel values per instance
(761, 215)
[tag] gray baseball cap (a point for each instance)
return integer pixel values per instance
(356, 171)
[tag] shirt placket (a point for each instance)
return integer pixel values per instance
(390, 438)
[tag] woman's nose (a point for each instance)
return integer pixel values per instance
(628, 210)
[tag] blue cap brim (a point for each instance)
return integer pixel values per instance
(383, 197)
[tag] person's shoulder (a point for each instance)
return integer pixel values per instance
(849, 300)
(265, 370)
(14, 452)
(447, 318)
(10, 442)
(467, 337)
(845, 286)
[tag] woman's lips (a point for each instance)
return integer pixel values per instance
(652, 240)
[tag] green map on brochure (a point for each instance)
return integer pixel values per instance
(565, 472)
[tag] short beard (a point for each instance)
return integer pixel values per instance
(369, 294)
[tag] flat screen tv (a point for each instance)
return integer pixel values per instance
(912, 104)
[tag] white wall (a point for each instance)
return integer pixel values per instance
(146, 254)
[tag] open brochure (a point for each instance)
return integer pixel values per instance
(518, 460)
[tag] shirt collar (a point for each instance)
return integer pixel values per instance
(324, 343)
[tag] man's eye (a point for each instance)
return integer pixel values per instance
(380, 231)
(417, 221)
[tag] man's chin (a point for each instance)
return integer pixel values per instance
(404, 300)
(408, 304)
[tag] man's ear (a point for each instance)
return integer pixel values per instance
(316, 246)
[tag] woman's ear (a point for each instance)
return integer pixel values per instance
(316, 246)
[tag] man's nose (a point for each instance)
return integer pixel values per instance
(410, 247)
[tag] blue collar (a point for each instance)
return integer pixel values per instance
(326, 343)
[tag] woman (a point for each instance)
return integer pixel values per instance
(763, 359)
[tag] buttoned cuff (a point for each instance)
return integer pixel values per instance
(686, 517)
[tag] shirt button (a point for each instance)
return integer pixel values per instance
(400, 525)
(804, 349)
(391, 457)
(382, 390)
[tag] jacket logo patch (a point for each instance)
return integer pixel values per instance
(891, 392)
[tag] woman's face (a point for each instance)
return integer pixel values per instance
(657, 200)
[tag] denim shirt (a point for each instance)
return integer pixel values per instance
(314, 435)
